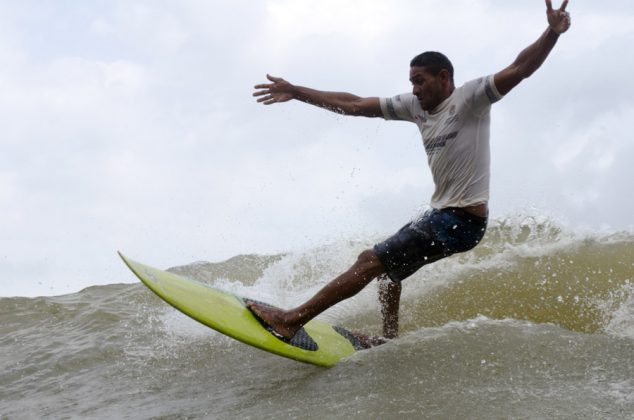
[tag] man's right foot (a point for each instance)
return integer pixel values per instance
(275, 318)
(368, 341)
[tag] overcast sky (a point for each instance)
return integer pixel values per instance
(130, 125)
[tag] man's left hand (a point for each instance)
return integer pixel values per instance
(558, 19)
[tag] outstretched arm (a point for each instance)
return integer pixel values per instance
(340, 102)
(534, 55)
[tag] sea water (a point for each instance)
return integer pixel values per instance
(535, 323)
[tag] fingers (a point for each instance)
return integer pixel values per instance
(269, 85)
(549, 5)
(563, 6)
(270, 93)
(263, 90)
(559, 20)
(266, 100)
(263, 86)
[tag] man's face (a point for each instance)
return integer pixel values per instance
(427, 88)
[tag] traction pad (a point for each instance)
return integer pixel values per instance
(356, 342)
(301, 339)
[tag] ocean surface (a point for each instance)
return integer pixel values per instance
(535, 323)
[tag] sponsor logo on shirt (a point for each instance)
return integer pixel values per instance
(434, 144)
(452, 120)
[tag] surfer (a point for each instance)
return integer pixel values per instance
(454, 123)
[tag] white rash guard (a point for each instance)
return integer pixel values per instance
(456, 139)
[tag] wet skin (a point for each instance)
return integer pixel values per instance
(287, 323)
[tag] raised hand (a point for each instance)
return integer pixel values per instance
(558, 19)
(278, 91)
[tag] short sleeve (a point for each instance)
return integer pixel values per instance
(399, 107)
(481, 93)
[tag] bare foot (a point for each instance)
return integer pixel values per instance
(274, 318)
(369, 340)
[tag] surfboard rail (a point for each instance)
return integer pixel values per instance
(319, 343)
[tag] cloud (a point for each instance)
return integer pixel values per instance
(131, 126)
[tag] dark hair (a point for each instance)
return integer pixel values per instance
(433, 62)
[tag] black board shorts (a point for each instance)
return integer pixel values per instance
(437, 234)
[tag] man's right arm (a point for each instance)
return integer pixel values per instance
(340, 102)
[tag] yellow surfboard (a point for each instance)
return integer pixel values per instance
(318, 342)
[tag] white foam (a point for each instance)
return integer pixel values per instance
(297, 276)
(180, 325)
(619, 309)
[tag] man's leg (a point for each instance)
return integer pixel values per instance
(389, 297)
(348, 284)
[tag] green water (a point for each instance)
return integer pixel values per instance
(534, 323)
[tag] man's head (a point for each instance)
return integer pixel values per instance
(431, 74)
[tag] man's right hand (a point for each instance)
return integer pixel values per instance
(340, 102)
(278, 91)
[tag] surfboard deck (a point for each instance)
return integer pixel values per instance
(317, 343)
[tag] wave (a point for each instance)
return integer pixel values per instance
(532, 306)
(524, 269)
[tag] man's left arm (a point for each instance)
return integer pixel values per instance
(532, 57)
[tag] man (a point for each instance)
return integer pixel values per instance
(454, 123)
